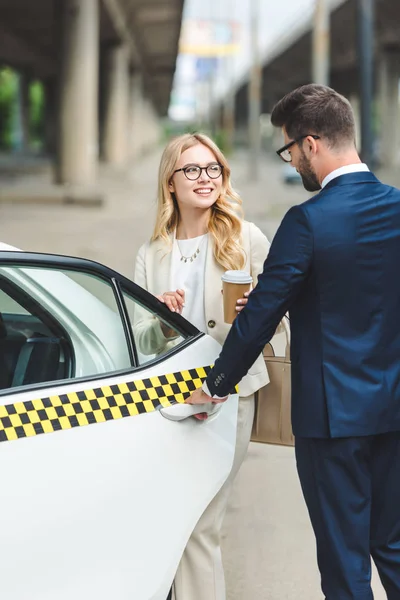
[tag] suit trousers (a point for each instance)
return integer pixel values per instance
(352, 490)
(200, 574)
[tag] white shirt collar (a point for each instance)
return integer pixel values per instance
(357, 168)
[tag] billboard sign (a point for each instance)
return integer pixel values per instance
(209, 38)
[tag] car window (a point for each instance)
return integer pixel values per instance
(90, 340)
(153, 336)
(32, 348)
(58, 324)
(9, 305)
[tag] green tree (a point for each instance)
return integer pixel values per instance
(8, 89)
(36, 114)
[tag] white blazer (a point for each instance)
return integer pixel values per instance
(152, 272)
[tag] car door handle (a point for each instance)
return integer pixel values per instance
(179, 412)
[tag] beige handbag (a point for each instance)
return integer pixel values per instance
(272, 418)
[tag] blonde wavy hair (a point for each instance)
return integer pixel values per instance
(225, 223)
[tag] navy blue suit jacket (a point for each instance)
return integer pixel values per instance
(334, 264)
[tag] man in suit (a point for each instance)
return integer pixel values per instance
(334, 264)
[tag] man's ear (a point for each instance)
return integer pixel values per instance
(311, 145)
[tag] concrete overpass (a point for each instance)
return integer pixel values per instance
(107, 67)
(289, 65)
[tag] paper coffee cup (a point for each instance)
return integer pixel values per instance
(234, 285)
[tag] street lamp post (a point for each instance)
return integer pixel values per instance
(365, 15)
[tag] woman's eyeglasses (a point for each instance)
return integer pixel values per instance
(193, 172)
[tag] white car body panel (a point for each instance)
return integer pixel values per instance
(105, 510)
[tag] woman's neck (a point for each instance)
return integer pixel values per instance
(192, 225)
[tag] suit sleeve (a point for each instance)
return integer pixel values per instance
(285, 271)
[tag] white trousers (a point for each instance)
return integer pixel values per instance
(200, 574)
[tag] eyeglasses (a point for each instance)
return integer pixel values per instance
(193, 172)
(284, 153)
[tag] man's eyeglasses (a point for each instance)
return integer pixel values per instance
(193, 172)
(284, 153)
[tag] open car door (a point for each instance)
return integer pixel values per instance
(104, 470)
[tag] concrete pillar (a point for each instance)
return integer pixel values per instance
(50, 118)
(389, 109)
(136, 108)
(78, 94)
(116, 116)
(355, 104)
(321, 43)
(152, 125)
(145, 130)
(20, 123)
(228, 120)
(255, 93)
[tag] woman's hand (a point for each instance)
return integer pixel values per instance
(241, 302)
(175, 301)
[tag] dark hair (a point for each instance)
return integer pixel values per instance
(315, 109)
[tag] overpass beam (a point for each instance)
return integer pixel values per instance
(389, 109)
(78, 100)
(115, 135)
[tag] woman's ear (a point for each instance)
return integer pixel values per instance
(171, 186)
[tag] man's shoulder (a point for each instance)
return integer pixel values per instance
(335, 198)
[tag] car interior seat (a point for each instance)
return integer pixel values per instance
(38, 360)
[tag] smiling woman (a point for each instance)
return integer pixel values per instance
(199, 234)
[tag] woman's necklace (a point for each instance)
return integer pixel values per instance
(193, 256)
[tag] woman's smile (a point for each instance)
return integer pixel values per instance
(204, 191)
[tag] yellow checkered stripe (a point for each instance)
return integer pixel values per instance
(97, 405)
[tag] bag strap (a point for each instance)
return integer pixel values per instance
(286, 327)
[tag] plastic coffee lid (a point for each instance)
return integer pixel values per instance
(237, 277)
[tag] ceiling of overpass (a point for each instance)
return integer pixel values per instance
(30, 30)
(156, 27)
(290, 64)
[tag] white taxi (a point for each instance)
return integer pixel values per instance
(104, 470)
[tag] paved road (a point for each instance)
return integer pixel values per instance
(269, 549)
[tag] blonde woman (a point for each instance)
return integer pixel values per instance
(199, 234)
